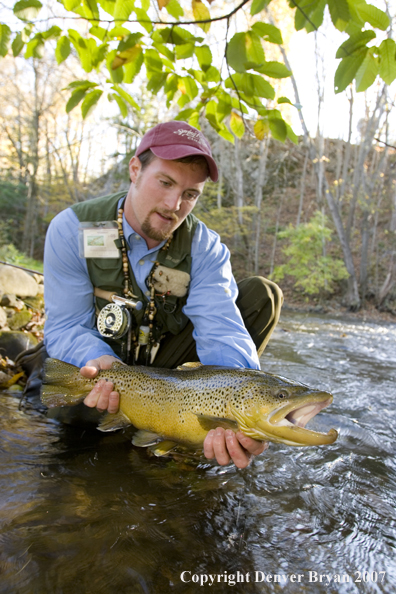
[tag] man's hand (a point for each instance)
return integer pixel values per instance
(102, 394)
(225, 445)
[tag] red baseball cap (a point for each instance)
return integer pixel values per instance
(175, 140)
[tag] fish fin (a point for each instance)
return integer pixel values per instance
(118, 365)
(163, 448)
(63, 385)
(209, 422)
(144, 439)
(112, 422)
(190, 366)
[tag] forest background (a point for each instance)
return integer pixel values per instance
(307, 187)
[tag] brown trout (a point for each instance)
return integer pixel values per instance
(180, 406)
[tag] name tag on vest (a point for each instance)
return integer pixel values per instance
(96, 240)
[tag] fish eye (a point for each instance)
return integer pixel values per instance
(282, 394)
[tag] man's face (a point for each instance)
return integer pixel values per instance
(161, 196)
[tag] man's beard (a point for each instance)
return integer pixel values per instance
(160, 234)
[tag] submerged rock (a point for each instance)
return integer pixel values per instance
(13, 343)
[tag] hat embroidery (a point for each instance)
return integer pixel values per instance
(194, 136)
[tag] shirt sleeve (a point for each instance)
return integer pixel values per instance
(219, 331)
(69, 331)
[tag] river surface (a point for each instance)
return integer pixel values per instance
(83, 512)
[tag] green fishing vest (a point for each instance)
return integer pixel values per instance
(107, 273)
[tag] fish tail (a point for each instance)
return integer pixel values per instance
(63, 385)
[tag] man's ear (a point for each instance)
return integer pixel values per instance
(135, 167)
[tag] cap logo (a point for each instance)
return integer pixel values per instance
(194, 136)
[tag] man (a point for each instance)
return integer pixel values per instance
(161, 242)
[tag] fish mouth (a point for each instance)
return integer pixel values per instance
(287, 424)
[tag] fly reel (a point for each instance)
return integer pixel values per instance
(113, 321)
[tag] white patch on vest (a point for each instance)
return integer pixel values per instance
(168, 281)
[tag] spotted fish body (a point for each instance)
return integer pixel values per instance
(182, 405)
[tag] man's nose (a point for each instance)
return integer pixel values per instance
(173, 200)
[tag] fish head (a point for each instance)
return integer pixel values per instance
(279, 409)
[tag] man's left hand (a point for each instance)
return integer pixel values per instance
(225, 445)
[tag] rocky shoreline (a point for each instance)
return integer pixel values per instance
(21, 321)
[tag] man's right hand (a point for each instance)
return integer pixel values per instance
(102, 396)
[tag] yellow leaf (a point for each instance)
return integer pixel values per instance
(237, 125)
(201, 13)
(126, 56)
(162, 3)
(261, 129)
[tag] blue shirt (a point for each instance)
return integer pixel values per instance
(70, 327)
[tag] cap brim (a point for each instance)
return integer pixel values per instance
(178, 151)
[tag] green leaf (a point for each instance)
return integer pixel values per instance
(76, 96)
(90, 102)
(156, 81)
(99, 32)
(35, 47)
(268, 32)
(354, 43)
(263, 87)
(126, 96)
(121, 104)
(165, 51)
(309, 14)
(174, 9)
(5, 35)
(184, 115)
(211, 114)
(254, 49)
(201, 13)
(339, 12)
(190, 86)
(367, 72)
(116, 74)
(144, 19)
(278, 129)
(27, 10)
(226, 134)
(373, 15)
(62, 50)
(71, 5)
(129, 41)
(194, 120)
(291, 135)
(122, 10)
(183, 101)
(17, 45)
(284, 100)
(347, 70)
(186, 50)
(81, 84)
(258, 5)
(83, 49)
(153, 61)
(119, 32)
(245, 51)
(212, 75)
(204, 56)
(387, 70)
(132, 70)
(274, 70)
(108, 6)
(237, 125)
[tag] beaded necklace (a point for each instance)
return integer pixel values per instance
(151, 310)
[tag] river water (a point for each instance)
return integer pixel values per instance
(84, 512)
